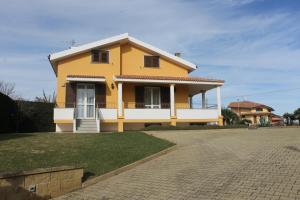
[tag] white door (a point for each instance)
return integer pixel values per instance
(152, 97)
(85, 101)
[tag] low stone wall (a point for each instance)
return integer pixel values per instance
(40, 183)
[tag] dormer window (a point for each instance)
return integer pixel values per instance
(151, 61)
(100, 56)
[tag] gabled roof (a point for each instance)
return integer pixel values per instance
(123, 38)
(248, 104)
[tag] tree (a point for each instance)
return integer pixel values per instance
(7, 88)
(46, 98)
(287, 117)
(230, 117)
(297, 115)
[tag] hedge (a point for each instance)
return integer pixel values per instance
(35, 117)
(25, 116)
(8, 112)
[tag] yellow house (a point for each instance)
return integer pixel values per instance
(255, 112)
(121, 83)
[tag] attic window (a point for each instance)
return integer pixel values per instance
(151, 61)
(100, 56)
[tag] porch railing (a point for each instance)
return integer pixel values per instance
(133, 105)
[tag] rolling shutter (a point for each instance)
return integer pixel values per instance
(165, 97)
(100, 91)
(139, 97)
(70, 95)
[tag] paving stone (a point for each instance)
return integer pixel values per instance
(214, 164)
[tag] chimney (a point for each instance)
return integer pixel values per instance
(178, 54)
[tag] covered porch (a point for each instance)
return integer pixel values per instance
(165, 100)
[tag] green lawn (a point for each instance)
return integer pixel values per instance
(97, 153)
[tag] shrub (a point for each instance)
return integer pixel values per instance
(35, 116)
(7, 114)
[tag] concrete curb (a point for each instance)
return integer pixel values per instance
(127, 167)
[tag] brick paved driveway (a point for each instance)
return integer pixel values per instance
(214, 164)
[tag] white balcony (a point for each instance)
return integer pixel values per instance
(146, 114)
(108, 114)
(195, 114)
(63, 113)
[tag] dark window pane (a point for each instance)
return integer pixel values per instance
(151, 61)
(104, 56)
(155, 61)
(95, 56)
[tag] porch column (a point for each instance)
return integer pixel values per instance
(220, 119)
(172, 105)
(120, 108)
(120, 98)
(203, 100)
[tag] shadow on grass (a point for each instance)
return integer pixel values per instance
(11, 136)
(87, 175)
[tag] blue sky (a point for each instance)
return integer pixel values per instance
(252, 44)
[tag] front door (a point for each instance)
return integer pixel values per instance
(85, 101)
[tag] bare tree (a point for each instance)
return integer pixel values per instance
(7, 88)
(46, 98)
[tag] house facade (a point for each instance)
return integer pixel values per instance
(257, 113)
(122, 83)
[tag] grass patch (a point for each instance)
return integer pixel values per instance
(97, 153)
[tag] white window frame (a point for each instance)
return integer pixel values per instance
(152, 106)
(85, 103)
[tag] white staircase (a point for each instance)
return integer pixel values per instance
(86, 126)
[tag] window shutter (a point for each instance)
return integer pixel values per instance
(95, 56)
(165, 97)
(139, 97)
(147, 61)
(70, 95)
(100, 93)
(155, 61)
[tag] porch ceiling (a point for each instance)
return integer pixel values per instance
(196, 89)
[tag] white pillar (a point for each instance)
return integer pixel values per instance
(172, 100)
(120, 100)
(203, 100)
(219, 100)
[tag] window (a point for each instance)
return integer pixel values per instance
(151, 61)
(100, 56)
(259, 109)
(152, 97)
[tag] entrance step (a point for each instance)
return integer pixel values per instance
(86, 126)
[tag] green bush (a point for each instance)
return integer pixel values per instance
(35, 116)
(7, 114)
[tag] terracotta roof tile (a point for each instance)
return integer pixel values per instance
(194, 79)
(248, 104)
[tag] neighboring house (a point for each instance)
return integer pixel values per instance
(276, 119)
(122, 83)
(255, 112)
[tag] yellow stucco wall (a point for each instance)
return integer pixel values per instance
(133, 64)
(126, 59)
(81, 65)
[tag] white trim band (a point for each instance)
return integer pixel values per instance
(85, 79)
(165, 81)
